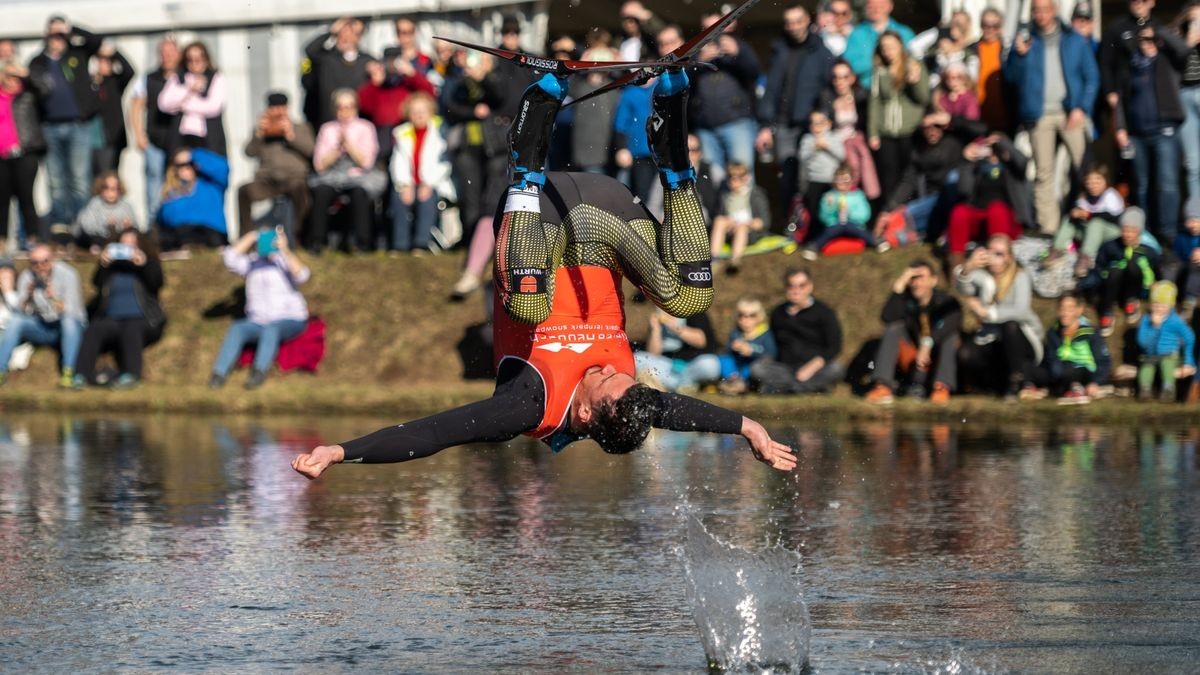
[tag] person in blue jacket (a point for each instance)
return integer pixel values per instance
(193, 206)
(1166, 345)
(1054, 73)
(629, 137)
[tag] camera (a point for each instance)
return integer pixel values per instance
(274, 125)
(119, 251)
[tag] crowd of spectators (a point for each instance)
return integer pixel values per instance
(857, 129)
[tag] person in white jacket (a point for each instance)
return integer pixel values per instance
(420, 173)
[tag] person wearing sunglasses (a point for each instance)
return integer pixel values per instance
(51, 312)
(988, 55)
(192, 212)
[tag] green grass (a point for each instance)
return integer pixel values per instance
(392, 345)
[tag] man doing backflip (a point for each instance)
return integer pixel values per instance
(564, 365)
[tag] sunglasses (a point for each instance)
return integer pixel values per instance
(844, 12)
(747, 315)
(183, 165)
(39, 261)
(990, 26)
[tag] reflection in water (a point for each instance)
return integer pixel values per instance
(187, 542)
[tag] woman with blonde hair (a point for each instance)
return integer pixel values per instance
(193, 203)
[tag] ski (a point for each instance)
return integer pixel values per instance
(555, 66)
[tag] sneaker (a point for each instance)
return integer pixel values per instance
(126, 381)
(1076, 395)
(256, 379)
(1107, 325)
(734, 386)
(466, 285)
(809, 254)
(1031, 393)
(1167, 396)
(1133, 312)
(216, 381)
(881, 394)
(1145, 395)
(883, 247)
(68, 380)
(940, 394)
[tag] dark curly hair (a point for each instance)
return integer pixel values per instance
(621, 426)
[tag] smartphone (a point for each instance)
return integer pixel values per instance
(266, 242)
(119, 251)
(1024, 34)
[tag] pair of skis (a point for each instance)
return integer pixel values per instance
(640, 71)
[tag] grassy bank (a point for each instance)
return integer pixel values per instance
(395, 345)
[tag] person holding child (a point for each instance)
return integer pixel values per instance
(1166, 345)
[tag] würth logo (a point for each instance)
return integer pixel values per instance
(528, 285)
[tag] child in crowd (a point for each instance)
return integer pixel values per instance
(421, 173)
(749, 341)
(1125, 267)
(105, 215)
(1091, 222)
(845, 212)
(822, 152)
(1075, 360)
(742, 209)
(1187, 248)
(1161, 337)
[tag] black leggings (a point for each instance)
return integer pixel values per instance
(1121, 286)
(175, 238)
(16, 180)
(891, 159)
(360, 216)
(1007, 359)
(126, 338)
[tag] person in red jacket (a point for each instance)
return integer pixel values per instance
(565, 369)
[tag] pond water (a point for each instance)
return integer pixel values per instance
(187, 543)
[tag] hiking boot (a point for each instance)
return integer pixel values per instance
(529, 134)
(216, 381)
(1133, 312)
(940, 394)
(1107, 325)
(666, 128)
(881, 394)
(1076, 395)
(256, 379)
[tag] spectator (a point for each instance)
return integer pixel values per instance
(1188, 26)
(152, 127)
(594, 120)
(990, 53)
(639, 26)
(809, 338)
(1148, 120)
(995, 201)
(1093, 220)
(722, 100)
(381, 98)
(822, 154)
(800, 71)
(514, 80)
(344, 160)
(421, 175)
(954, 95)
(284, 150)
(861, 45)
(193, 201)
(198, 96)
(928, 188)
(1125, 267)
(744, 213)
(1083, 21)
(445, 67)
(899, 96)
(562, 149)
(1055, 77)
(846, 104)
(750, 340)
(113, 74)
(406, 59)
(10, 307)
(1187, 249)
(106, 215)
(332, 61)
(1161, 337)
(949, 50)
(1118, 44)
(673, 351)
(999, 294)
(921, 331)
(836, 34)
(275, 309)
(21, 144)
(126, 316)
(480, 165)
(68, 106)
(1075, 361)
(51, 313)
(633, 156)
(845, 212)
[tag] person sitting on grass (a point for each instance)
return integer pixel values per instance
(1092, 222)
(192, 211)
(743, 211)
(673, 356)
(923, 324)
(50, 312)
(1187, 249)
(106, 215)
(275, 309)
(994, 195)
(1164, 341)
(809, 337)
(1075, 361)
(845, 212)
(750, 340)
(1124, 271)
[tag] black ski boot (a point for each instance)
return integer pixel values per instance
(529, 134)
(667, 128)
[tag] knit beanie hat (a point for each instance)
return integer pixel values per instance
(1163, 292)
(1134, 217)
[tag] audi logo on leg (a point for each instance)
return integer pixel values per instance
(699, 276)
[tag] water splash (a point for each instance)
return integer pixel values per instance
(748, 605)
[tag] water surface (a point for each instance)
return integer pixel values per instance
(163, 543)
